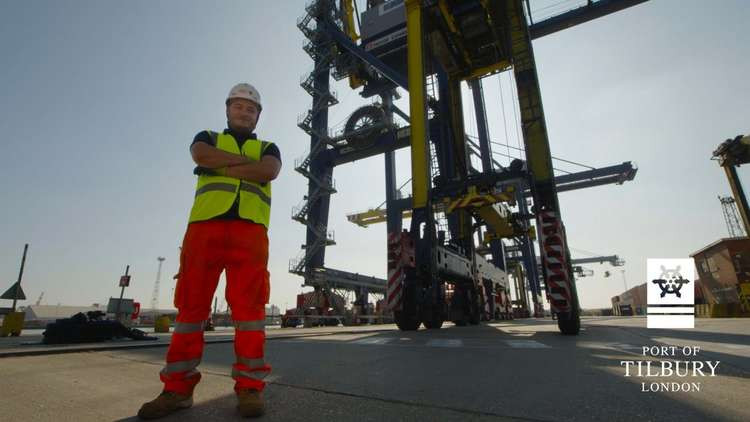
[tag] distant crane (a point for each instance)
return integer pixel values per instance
(731, 217)
(39, 301)
(624, 281)
(730, 154)
(155, 294)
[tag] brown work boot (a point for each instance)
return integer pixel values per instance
(250, 403)
(166, 403)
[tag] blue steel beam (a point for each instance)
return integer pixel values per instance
(389, 141)
(589, 183)
(338, 279)
(592, 10)
(625, 169)
(597, 177)
(585, 179)
(394, 220)
(481, 116)
(344, 41)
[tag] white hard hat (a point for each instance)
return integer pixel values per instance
(245, 91)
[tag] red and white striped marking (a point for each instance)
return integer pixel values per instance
(400, 255)
(552, 242)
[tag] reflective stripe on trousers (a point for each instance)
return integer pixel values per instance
(249, 370)
(181, 366)
(255, 375)
(240, 248)
(186, 366)
(250, 325)
(189, 327)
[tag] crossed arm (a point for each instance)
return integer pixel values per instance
(233, 165)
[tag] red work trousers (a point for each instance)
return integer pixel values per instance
(241, 249)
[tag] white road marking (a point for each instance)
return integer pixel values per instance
(373, 340)
(521, 334)
(625, 346)
(449, 342)
(732, 346)
(526, 344)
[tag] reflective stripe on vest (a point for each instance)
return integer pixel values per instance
(214, 195)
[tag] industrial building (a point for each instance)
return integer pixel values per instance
(723, 278)
(722, 267)
(631, 302)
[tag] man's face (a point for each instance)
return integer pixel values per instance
(242, 114)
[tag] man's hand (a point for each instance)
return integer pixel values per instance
(221, 171)
(262, 171)
(211, 157)
(214, 161)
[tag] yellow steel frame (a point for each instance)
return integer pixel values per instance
(375, 216)
(482, 204)
(443, 6)
(474, 73)
(418, 114)
(535, 134)
(487, 70)
(474, 199)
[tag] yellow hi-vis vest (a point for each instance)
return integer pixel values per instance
(214, 195)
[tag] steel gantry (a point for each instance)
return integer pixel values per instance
(450, 263)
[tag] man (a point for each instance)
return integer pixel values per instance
(226, 232)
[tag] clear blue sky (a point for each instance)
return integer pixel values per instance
(101, 100)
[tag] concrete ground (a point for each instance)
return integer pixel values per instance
(516, 370)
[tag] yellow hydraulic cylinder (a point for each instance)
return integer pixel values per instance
(744, 289)
(161, 324)
(418, 115)
(12, 324)
(348, 7)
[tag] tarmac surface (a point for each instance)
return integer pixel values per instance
(513, 370)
